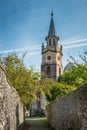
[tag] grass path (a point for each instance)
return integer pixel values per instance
(36, 124)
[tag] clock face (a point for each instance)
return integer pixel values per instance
(48, 57)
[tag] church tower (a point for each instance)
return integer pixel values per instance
(51, 66)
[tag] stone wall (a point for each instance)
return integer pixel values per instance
(11, 108)
(70, 112)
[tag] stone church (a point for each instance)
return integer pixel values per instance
(51, 66)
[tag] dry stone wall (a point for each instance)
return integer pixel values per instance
(70, 112)
(11, 108)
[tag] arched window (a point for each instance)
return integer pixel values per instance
(53, 41)
(49, 42)
(48, 71)
(59, 71)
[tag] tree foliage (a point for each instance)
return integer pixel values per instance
(24, 80)
(77, 75)
(59, 89)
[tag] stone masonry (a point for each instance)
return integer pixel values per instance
(70, 112)
(11, 108)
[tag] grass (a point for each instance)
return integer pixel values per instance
(43, 121)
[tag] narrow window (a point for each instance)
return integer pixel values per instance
(50, 42)
(48, 71)
(53, 41)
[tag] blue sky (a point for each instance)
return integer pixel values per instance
(25, 23)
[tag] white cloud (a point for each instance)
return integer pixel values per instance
(74, 46)
(32, 48)
(74, 41)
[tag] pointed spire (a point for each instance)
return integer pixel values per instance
(52, 30)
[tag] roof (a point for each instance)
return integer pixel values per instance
(68, 66)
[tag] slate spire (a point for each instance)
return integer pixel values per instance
(52, 30)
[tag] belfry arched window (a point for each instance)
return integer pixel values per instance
(53, 41)
(50, 42)
(48, 70)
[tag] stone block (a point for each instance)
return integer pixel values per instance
(70, 112)
(11, 108)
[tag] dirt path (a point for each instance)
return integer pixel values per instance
(36, 124)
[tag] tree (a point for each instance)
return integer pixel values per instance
(58, 90)
(24, 80)
(77, 75)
